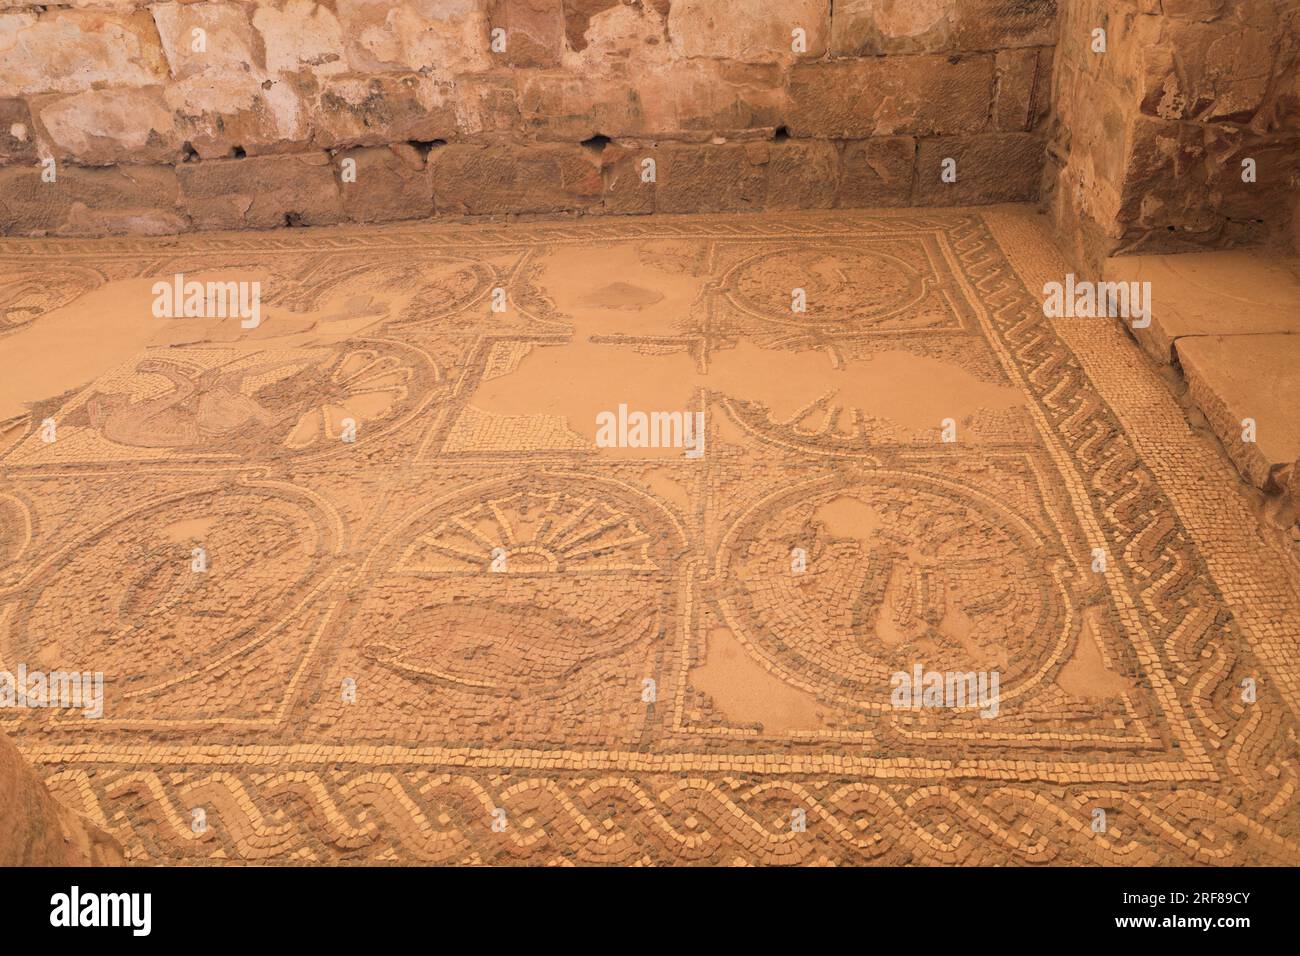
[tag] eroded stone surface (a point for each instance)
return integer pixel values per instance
(887, 96)
(111, 200)
(207, 38)
(390, 183)
(300, 35)
(748, 31)
(1151, 137)
(1024, 84)
(534, 31)
(876, 27)
(378, 110)
(802, 175)
(69, 51)
(878, 172)
(445, 36)
(731, 178)
(17, 138)
(478, 180)
(102, 127)
(993, 166)
(261, 192)
(36, 830)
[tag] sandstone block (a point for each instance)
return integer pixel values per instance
(407, 36)
(748, 31)
(877, 172)
(991, 167)
(1085, 240)
(628, 186)
(239, 113)
(693, 99)
(498, 179)
(879, 27)
(1091, 126)
(534, 31)
(261, 192)
(999, 24)
(1277, 171)
(875, 28)
(103, 127)
(602, 31)
(1161, 160)
(17, 137)
(1023, 88)
(1191, 9)
(486, 103)
(95, 201)
(300, 35)
(391, 183)
(713, 97)
(711, 178)
(1235, 377)
(924, 95)
(1205, 71)
(561, 106)
(802, 174)
(67, 51)
(213, 38)
(372, 111)
(1228, 292)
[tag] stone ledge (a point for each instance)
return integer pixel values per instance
(1224, 293)
(1229, 321)
(1235, 377)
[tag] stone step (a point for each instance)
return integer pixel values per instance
(1237, 380)
(1230, 320)
(1227, 293)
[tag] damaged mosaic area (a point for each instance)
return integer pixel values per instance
(563, 653)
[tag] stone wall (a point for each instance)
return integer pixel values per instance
(1147, 139)
(148, 133)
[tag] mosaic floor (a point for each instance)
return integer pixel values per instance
(471, 635)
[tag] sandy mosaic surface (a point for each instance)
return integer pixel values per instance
(473, 636)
